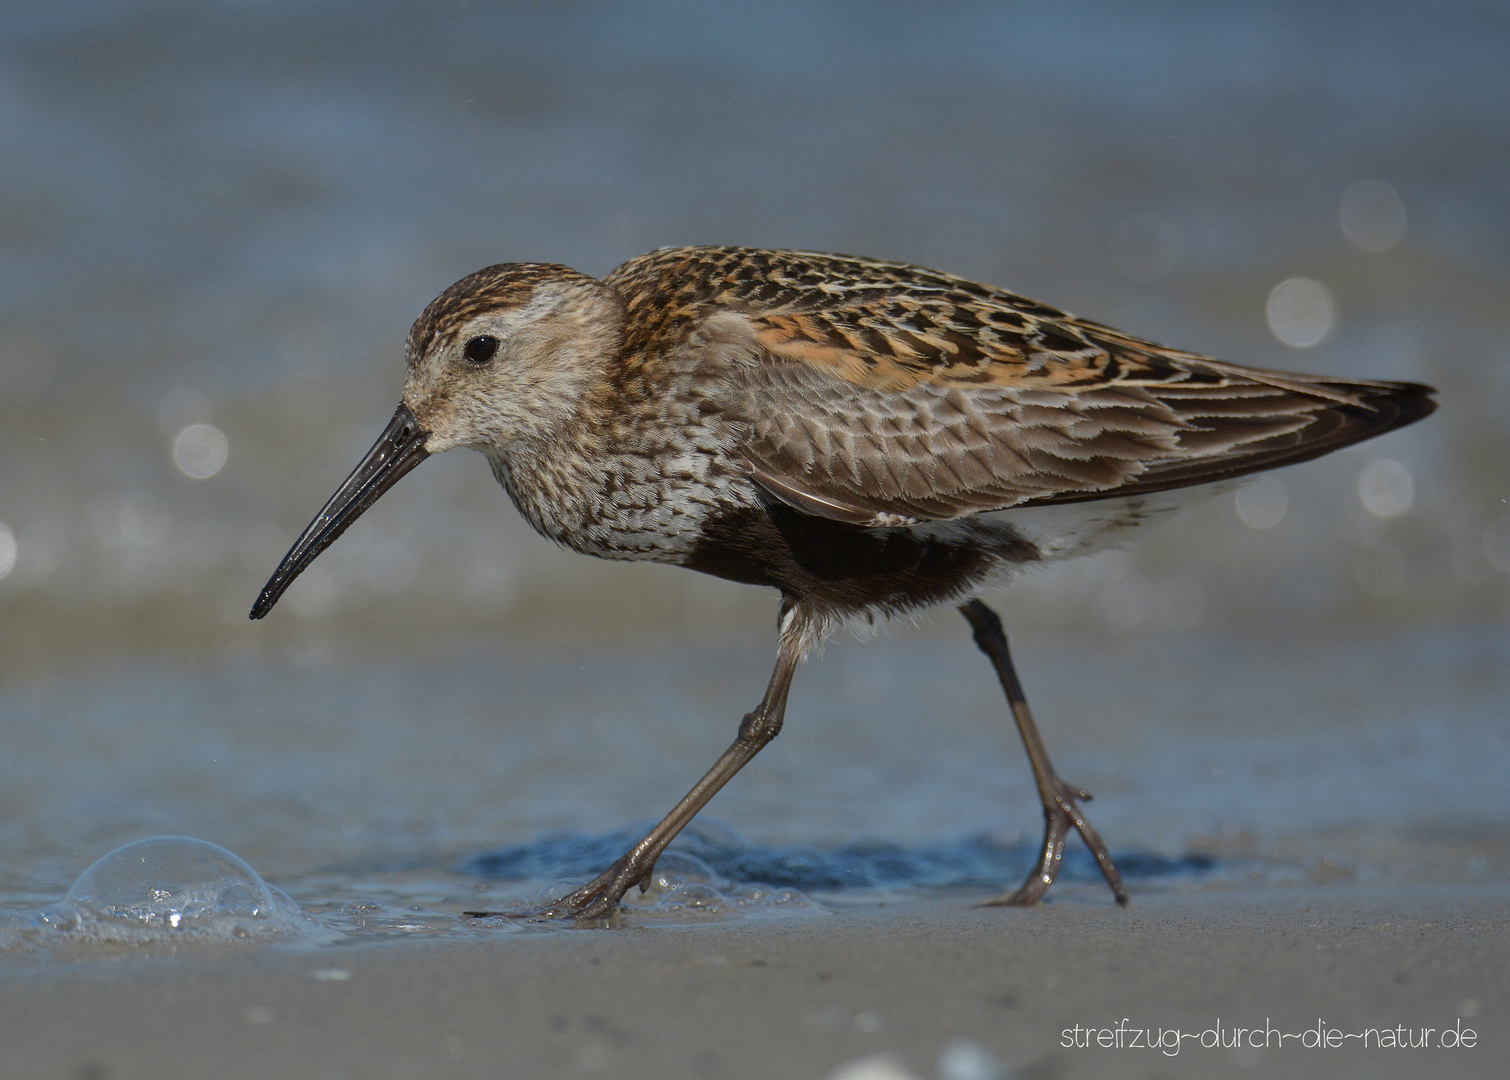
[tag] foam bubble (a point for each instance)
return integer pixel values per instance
(683, 884)
(172, 889)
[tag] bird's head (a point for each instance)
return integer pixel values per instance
(505, 356)
(498, 362)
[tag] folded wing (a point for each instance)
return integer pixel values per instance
(882, 394)
(896, 409)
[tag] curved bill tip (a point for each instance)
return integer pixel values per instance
(399, 448)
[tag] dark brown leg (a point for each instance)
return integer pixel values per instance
(602, 894)
(1060, 813)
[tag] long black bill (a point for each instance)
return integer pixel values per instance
(398, 449)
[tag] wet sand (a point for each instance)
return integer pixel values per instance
(802, 997)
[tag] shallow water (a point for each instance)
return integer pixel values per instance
(390, 800)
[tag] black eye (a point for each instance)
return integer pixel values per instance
(480, 349)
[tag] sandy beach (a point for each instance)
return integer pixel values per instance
(802, 997)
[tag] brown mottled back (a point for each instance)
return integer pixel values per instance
(887, 393)
(883, 324)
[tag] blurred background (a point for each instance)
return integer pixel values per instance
(217, 221)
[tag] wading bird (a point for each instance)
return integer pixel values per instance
(869, 438)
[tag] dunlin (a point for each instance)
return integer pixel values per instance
(868, 438)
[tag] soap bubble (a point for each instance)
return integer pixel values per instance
(171, 889)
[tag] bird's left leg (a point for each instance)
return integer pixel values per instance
(602, 894)
(1060, 811)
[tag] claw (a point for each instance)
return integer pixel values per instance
(1058, 818)
(647, 879)
(599, 897)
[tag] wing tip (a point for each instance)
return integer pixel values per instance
(1405, 402)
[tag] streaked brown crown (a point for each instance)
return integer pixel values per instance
(499, 286)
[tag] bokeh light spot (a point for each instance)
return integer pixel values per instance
(1263, 503)
(1380, 571)
(965, 1059)
(143, 521)
(200, 451)
(1373, 215)
(1385, 488)
(1300, 312)
(1497, 544)
(7, 549)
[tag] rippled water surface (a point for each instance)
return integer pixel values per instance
(392, 799)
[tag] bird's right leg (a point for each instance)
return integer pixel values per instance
(1060, 811)
(602, 894)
